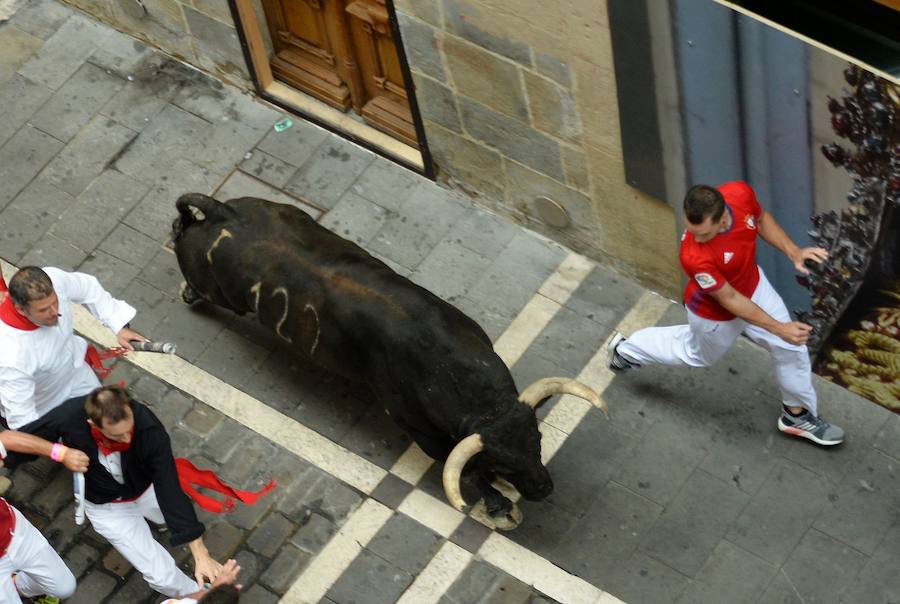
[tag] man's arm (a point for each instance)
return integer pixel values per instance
(177, 508)
(86, 290)
(774, 235)
(17, 396)
(793, 332)
(21, 442)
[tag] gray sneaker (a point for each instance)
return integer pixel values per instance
(617, 362)
(808, 426)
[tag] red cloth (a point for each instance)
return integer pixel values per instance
(2, 283)
(7, 526)
(728, 257)
(94, 358)
(13, 318)
(191, 477)
(108, 446)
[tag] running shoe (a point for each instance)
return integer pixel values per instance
(617, 362)
(806, 425)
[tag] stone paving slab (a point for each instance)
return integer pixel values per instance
(686, 493)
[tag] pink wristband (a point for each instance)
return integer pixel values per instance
(58, 451)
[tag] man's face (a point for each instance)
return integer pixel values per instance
(121, 430)
(44, 311)
(707, 229)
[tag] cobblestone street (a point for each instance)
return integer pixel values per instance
(687, 493)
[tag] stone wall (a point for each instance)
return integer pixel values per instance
(518, 99)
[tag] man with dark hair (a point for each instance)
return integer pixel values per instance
(29, 566)
(132, 477)
(728, 294)
(42, 362)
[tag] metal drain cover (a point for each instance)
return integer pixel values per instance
(551, 213)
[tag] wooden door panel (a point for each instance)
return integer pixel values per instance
(307, 44)
(386, 105)
(342, 52)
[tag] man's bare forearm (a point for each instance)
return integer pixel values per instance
(22, 442)
(743, 307)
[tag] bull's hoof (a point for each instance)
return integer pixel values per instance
(188, 294)
(510, 520)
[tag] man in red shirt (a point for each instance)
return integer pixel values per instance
(728, 294)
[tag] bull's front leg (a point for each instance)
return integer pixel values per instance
(505, 514)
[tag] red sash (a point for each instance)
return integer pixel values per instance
(191, 477)
(7, 526)
(12, 317)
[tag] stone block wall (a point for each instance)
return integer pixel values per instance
(518, 99)
(519, 102)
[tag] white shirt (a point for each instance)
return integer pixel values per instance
(113, 463)
(41, 368)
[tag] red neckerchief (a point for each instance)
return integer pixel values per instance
(13, 318)
(190, 477)
(106, 445)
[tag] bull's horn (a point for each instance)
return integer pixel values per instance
(545, 387)
(453, 467)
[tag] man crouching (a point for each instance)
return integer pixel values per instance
(132, 476)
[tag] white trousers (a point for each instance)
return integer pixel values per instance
(39, 569)
(702, 342)
(125, 527)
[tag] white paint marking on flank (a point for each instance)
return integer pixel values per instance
(436, 578)
(327, 567)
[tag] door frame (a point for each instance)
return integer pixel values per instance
(313, 110)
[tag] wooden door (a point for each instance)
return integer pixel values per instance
(342, 52)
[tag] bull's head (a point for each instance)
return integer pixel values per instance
(512, 449)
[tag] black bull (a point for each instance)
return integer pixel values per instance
(432, 368)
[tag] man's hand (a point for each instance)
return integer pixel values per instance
(205, 568)
(76, 461)
(795, 332)
(126, 335)
(228, 575)
(816, 254)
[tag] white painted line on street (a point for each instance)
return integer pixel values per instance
(327, 567)
(531, 569)
(412, 465)
(568, 412)
(437, 577)
(566, 278)
(437, 515)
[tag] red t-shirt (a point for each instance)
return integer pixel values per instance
(728, 257)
